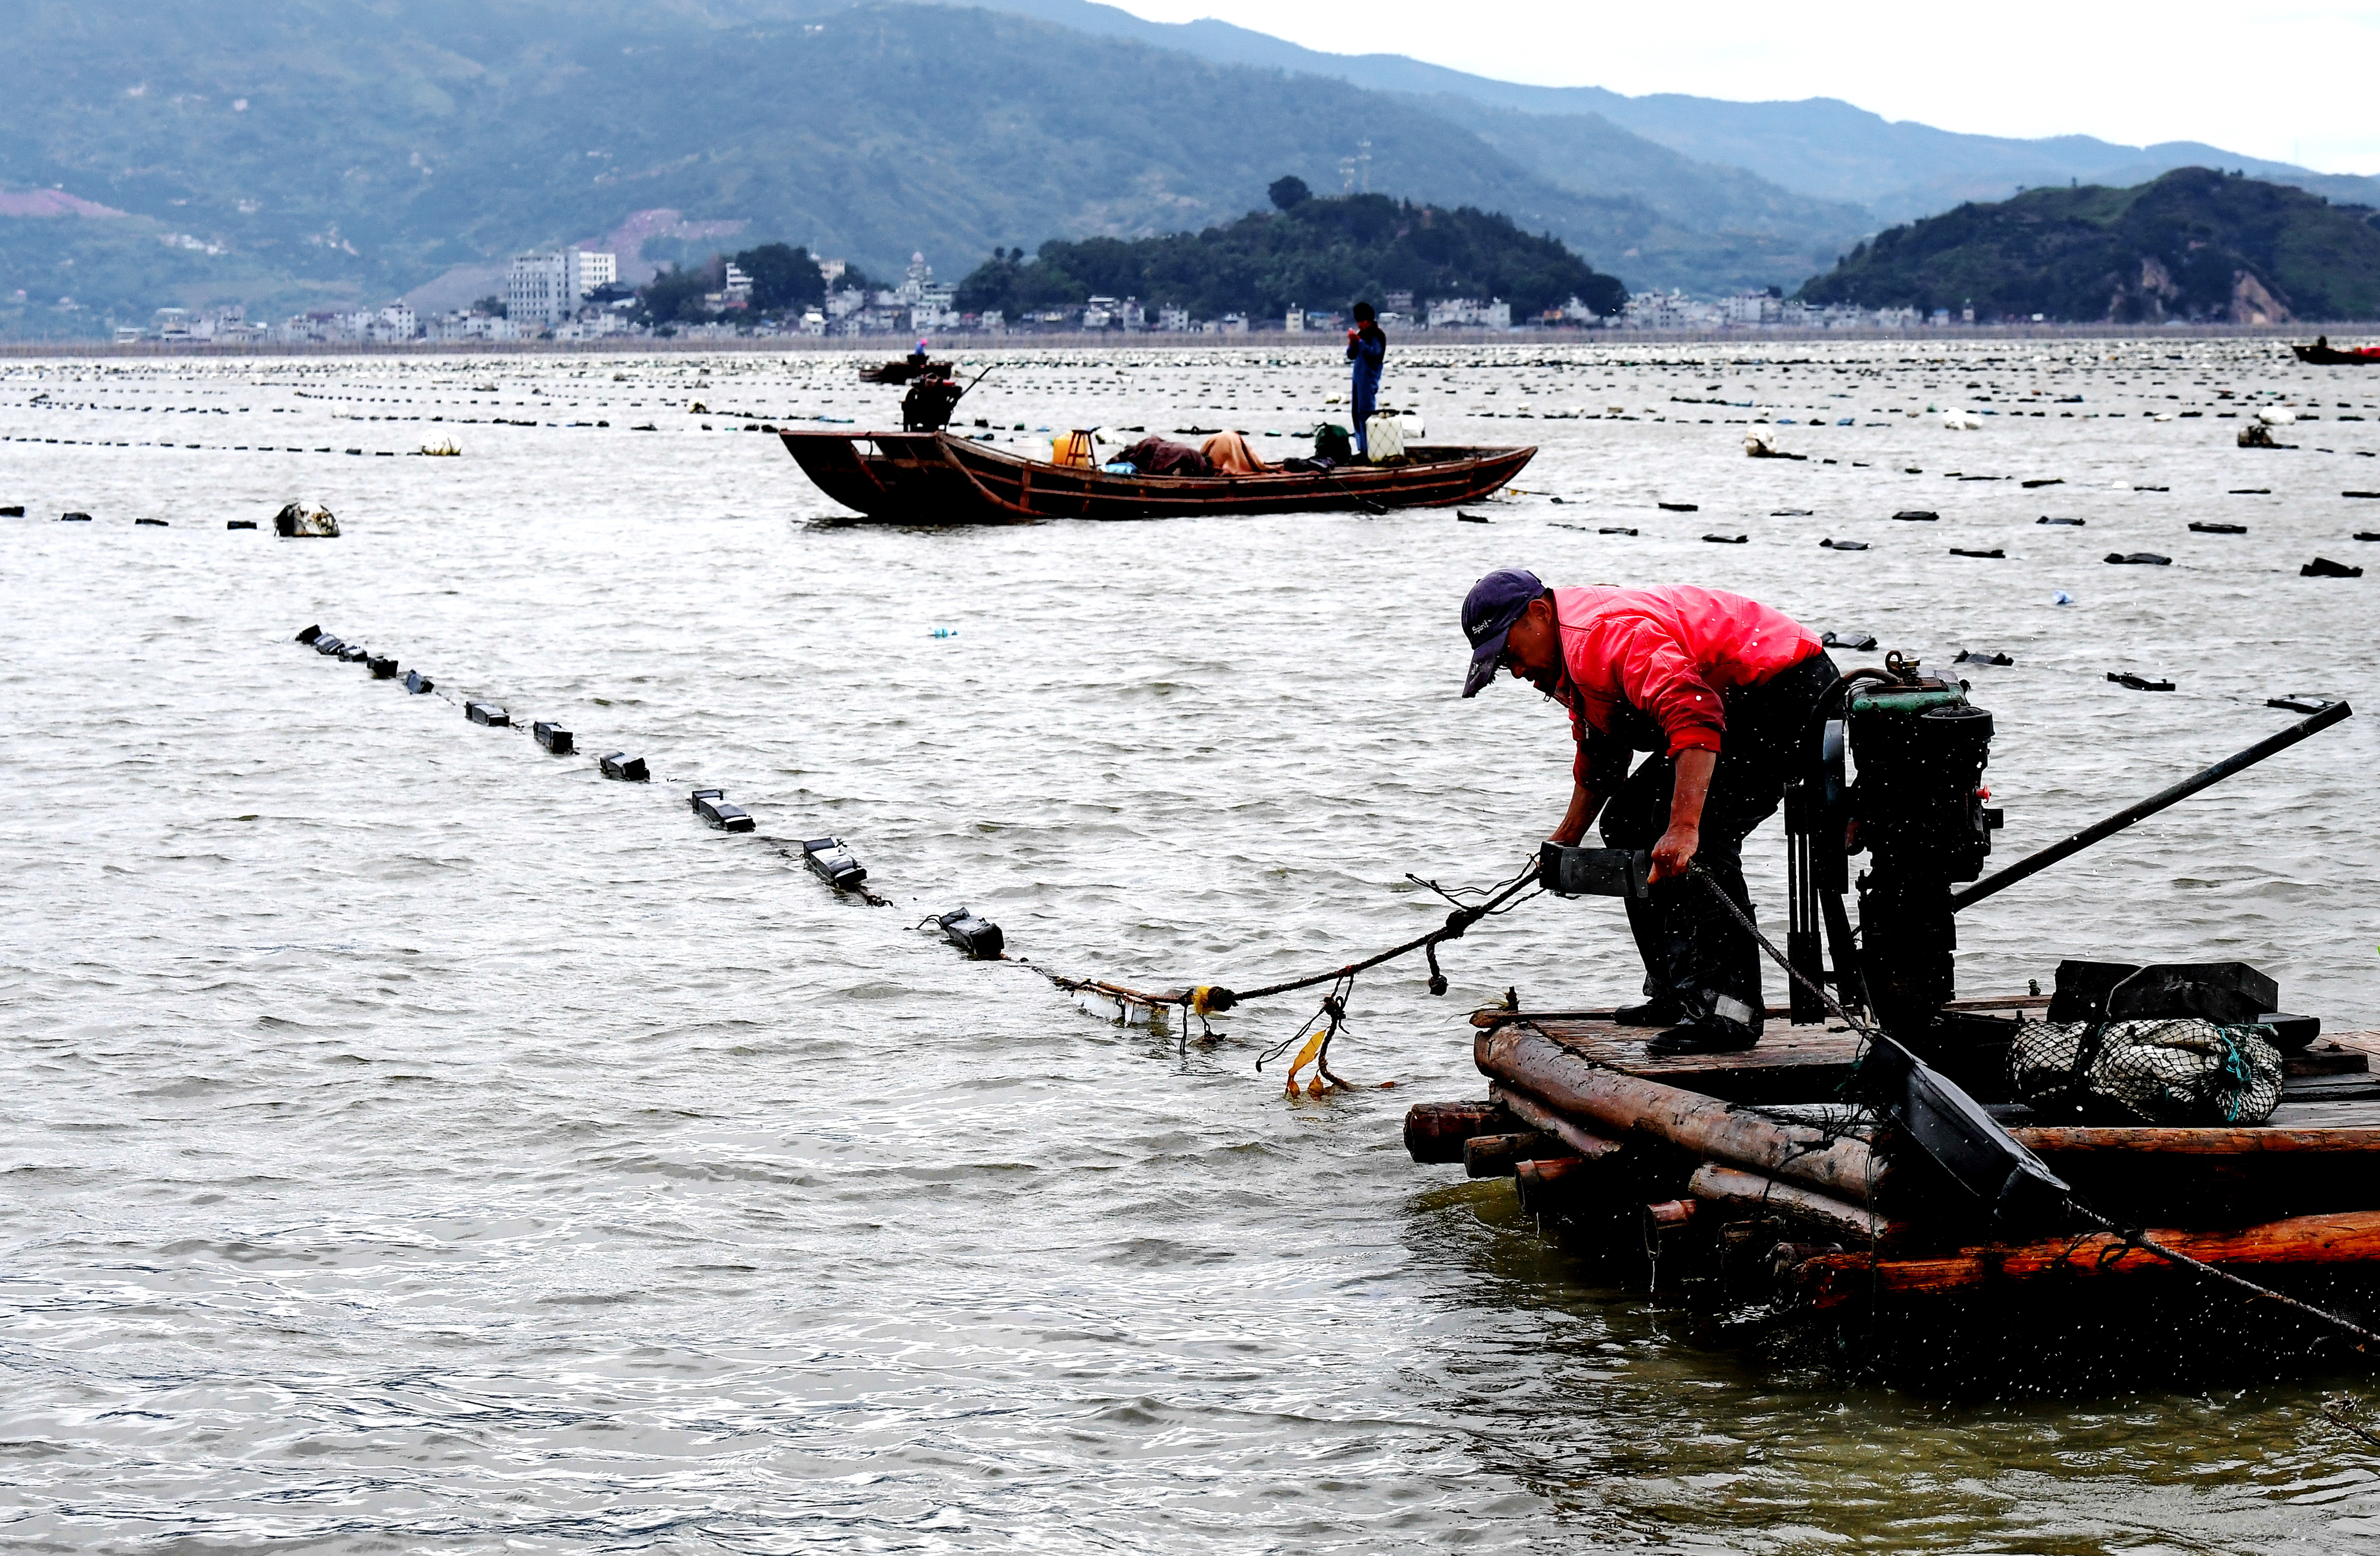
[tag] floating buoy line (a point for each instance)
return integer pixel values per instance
(833, 861)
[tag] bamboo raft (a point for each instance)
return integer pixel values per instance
(1744, 1184)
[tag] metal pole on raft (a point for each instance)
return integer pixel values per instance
(2033, 863)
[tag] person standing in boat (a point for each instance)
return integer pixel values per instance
(1367, 347)
(1719, 690)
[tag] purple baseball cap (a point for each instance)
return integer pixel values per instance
(1494, 603)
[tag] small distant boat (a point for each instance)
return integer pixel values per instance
(902, 369)
(936, 478)
(2322, 354)
(443, 450)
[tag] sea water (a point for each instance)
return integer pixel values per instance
(415, 1141)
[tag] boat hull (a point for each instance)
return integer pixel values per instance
(936, 479)
(2330, 356)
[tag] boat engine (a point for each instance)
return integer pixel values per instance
(1916, 810)
(927, 407)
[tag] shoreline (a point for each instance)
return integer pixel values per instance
(1271, 340)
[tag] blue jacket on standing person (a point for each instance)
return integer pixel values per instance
(1368, 349)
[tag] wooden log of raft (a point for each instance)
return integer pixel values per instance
(2343, 1238)
(1529, 1061)
(1737, 1192)
(2068, 1140)
(2213, 1176)
(1436, 1131)
(1496, 1156)
(1555, 1186)
(1536, 1115)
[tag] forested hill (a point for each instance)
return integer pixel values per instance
(316, 152)
(1323, 254)
(2194, 244)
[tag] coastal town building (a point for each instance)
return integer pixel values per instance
(1751, 308)
(1470, 313)
(468, 326)
(543, 289)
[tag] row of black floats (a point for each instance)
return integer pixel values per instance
(829, 858)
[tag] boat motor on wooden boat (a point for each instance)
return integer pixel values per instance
(1917, 810)
(928, 405)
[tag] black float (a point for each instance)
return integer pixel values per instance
(712, 807)
(553, 737)
(487, 713)
(623, 767)
(830, 860)
(382, 667)
(416, 683)
(979, 938)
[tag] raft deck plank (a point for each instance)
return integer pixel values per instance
(1811, 1063)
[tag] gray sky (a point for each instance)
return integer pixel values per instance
(2293, 82)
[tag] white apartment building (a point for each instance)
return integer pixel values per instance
(592, 270)
(536, 291)
(542, 290)
(1751, 308)
(1470, 313)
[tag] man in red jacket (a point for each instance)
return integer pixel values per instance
(1719, 689)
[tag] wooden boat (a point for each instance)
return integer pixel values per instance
(938, 478)
(1739, 1184)
(2322, 354)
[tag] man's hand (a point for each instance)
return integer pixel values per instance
(1687, 791)
(1676, 850)
(1583, 803)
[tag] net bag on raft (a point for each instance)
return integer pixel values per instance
(2181, 1071)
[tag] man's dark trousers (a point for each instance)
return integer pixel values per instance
(1695, 951)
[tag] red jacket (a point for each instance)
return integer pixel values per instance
(1670, 654)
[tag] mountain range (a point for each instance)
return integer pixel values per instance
(330, 152)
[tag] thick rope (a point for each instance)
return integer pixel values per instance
(1213, 998)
